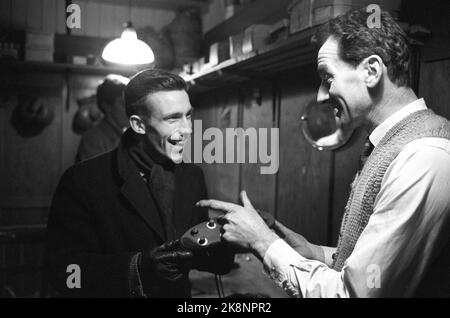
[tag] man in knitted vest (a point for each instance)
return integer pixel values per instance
(395, 234)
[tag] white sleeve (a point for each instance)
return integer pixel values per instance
(410, 214)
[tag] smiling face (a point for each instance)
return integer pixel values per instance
(169, 125)
(344, 86)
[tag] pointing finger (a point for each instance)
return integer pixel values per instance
(217, 205)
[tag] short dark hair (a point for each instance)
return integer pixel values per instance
(357, 41)
(111, 88)
(147, 82)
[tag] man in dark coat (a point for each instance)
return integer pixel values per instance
(115, 219)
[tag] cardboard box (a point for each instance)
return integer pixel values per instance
(79, 60)
(279, 31)
(218, 52)
(39, 41)
(300, 15)
(236, 45)
(187, 69)
(198, 65)
(255, 37)
(324, 10)
(39, 55)
(232, 7)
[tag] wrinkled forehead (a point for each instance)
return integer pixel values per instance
(329, 51)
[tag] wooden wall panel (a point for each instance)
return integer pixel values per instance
(97, 19)
(208, 116)
(260, 187)
(92, 18)
(304, 175)
(227, 174)
(19, 14)
(214, 15)
(434, 86)
(49, 13)
(220, 110)
(121, 16)
(107, 20)
(34, 15)
(5, 13)
(25, 160)
(80, 86)
(60, 16)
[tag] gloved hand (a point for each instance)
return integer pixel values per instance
(164, 270)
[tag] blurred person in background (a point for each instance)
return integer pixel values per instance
(106, 135)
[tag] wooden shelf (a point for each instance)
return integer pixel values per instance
(173, 5)
(65, 67)
(257, 12)
(294, 52)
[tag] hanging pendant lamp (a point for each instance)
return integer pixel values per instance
(128, 49)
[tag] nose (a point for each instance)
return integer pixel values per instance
(186, 126)
(323, 93)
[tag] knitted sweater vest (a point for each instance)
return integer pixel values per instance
(367, 183)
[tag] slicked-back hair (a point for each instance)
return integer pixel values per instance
(358, 41)
(148, 82)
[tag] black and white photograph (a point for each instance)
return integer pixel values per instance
(224, 154)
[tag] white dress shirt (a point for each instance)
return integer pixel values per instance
(408, 223)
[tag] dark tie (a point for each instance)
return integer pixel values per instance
(367, 150)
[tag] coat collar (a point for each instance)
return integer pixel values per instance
(135, 190)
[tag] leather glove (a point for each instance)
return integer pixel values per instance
(164, 270)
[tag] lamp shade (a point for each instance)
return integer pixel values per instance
(128, 49)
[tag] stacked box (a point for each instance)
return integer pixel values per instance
(300, 15)
(39, 47)
(236, 45)
(218, 52)
(255, 37)
(324, 10)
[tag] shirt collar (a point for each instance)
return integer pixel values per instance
(382, 129)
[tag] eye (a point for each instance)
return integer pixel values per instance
(172, 120)
(328, 79)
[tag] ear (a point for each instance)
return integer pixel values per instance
(373, 70)
(137, 124)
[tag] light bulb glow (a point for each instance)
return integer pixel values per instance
(128, 50)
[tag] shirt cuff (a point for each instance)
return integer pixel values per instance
(328, 253)
(278, 258)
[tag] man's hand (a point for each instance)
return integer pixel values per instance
(164, 268)
(243, 225)
(299, 243)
